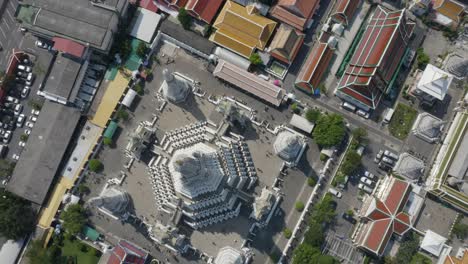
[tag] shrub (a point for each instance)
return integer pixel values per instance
(83, 189)
(139, 89)
(24, 137)
(311, 181)
(351, 162)
(312, 115)
(107, 141)
(350, 212)
(255, 59)
(184, 18)
(95, 165)
(323, 157)
(287, 233)
(122, 114)
(299, 206)
(83, 248)
(460, 230)
(141, 49)
(295, 108)
(422, 58)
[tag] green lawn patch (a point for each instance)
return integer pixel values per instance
(74, 249)
(402, 121)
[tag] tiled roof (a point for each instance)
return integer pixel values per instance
(344, 10)
(314, 67)
(385, 217)
(68, 46)
(127, 253)
(455, 260)
(242, 29)
(449, 8)
(286, 43)
(295, 12)
(385, 38)
(249, 82)
(205, 10)
(149, 5)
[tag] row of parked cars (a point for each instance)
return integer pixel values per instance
(386, 159)
(12, 116)
(367, 182)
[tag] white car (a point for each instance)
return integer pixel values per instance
(370, 175)
(22, 144)
(30, 124)
(363, 113)
(365, 188)
(366, 181)
(25, 92)
(35, 112)
(335, 192)
(379, 156)
(391, 155)
(20, 120)
(18, 109)
(7, 137)
(15, 157)
(24, 68)
(360, 150)
(388, 161)
(33, 118)
(12, 99)
(27, 131)
(41, 44)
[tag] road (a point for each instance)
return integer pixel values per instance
(10, 35)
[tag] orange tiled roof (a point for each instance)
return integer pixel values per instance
(204, 10)
(314, 67)
(295, 12)
(449, 8)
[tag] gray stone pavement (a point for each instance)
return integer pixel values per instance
(10, 36)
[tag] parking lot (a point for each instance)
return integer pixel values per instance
(23, 97)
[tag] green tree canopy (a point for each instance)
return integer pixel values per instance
(6, 168)
(351, 162)
(184, 18)
(107, 141)
(305, 254)
(141, 49)
(95, 165)
(329, 130)
(460, 230)
(324, 211)
(360, 135)
(420, 259)
(314, 235)
(312, 115)
(408, 249)
(74, 218)
(299, 206)
(16, 216)
(37, 254)
(255, 59)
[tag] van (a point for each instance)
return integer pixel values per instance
(388, 115)
(348, 106)
(335, 192)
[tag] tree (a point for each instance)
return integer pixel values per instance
(408, 249)
(107, 141)
(329, 130)
(255, 59)
(312, 115)
(141, 49)
(422, 58)
(139, 89)
(311, 181)
(324, 211)
(184, 18)
(37, 254)
(360, 134)
(460, 230)
(122, 114)
(287, 233)
(95, 165)
(74, 218)
(305, 254)
(24, 137)
(299, 206)
(83, 189)
(6, 168)
(351, 162)
(295, 108)
(420, 259)
(16, 216)
(125, 47)
(326, 259)
(314, 235)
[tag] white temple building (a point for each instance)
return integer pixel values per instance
(289, 146)
(175, 87)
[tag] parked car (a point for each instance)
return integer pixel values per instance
(41, 44)
(18, 109)
(20, 120)
(390, 154)
(7, 137)
(33, 119)
(27, 131)
(35, 112)
(19, 80)
(25, 92)
(22, 74)
(384, 166)
(22, 144)
(12, 99)
(349, 218)
(342, 185)
(388, 161)
(335, 192)
(363, 113)
(360, 150)
(24, 68)
(366, 181)
(365, 188)
(29, 124)
(370, 175)
(15, 157)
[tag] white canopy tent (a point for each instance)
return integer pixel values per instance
(129, 97)
(144, 25)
